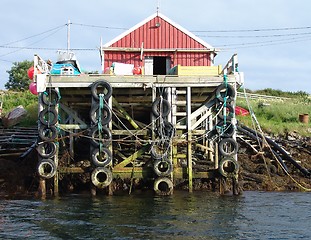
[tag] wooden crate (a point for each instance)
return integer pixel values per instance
(196, 70)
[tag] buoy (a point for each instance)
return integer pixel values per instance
(30, 72)
(137, 70)
(33, 88)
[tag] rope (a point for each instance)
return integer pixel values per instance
(99, 124)
(265, 143)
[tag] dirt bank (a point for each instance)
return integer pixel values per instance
(261, 171)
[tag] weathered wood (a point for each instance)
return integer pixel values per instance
(189, 138)
(125, 114)
(42, 188)
(72, 114)
(131, 158)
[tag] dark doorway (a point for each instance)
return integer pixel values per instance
(159, 65)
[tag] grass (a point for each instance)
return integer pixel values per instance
(279, 117)
(275, 117)
(30, 102)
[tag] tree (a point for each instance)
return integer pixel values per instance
(18, 78)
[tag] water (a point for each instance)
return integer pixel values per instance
(201, 215)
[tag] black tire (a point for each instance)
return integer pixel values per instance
(225, 130)
(46, 149)
(101, 158)
(229, 112)
(104, 86)
(228, 167)
(105, 117)
(47, 133)
(46, 168)
(228, 147)
(101, 177)
(225, 90)
(159, 150)
(162, 106)
(162, 167)
(104, 137)
(48, 116)
(163, 186)
(50, 97)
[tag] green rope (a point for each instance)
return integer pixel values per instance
(99, 124)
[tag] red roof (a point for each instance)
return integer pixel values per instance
(158, 32)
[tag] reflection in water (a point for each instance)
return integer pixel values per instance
(201, 215)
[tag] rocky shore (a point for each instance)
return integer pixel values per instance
(259, 171)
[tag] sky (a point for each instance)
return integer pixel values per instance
(271, 37)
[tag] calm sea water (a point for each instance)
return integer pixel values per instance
(201, 215)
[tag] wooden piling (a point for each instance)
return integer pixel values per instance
(42, 188)
(189, 156)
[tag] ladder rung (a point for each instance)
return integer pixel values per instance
(181, 103)
(180, 114)
(181, 126)
(181, 91)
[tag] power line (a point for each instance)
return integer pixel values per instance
(48, 49)
(32, 36)
(265, 43)
(255, 30)
(256, 36)
(97, 26)
(21, 48)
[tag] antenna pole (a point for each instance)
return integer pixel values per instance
(158, 7)
(68, 35)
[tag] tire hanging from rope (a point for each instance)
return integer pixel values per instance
(47, 133)
(101, 177)
(101, 87)
(101, 157)
(161, 107)
(48, 116)
(162, 167)
(228, 167)
(50, 97)
(46, 149)
(100, 136)
(46, 168)
(163, 186)
(228, 147)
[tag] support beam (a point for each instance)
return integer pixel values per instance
(131, 158)
(124, 113)
(72, 114)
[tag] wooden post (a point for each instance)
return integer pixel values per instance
(189, 157)
(42, 188)
(56, 189)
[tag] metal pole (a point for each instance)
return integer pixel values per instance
(68, 35)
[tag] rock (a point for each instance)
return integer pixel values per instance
(14, 117)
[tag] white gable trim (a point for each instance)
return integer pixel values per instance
(208, 46)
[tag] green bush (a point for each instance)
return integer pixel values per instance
(29, 101)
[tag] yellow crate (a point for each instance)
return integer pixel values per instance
(196, 70)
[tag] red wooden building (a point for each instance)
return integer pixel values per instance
(157, 44)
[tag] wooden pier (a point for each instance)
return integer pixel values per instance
(165, 129)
